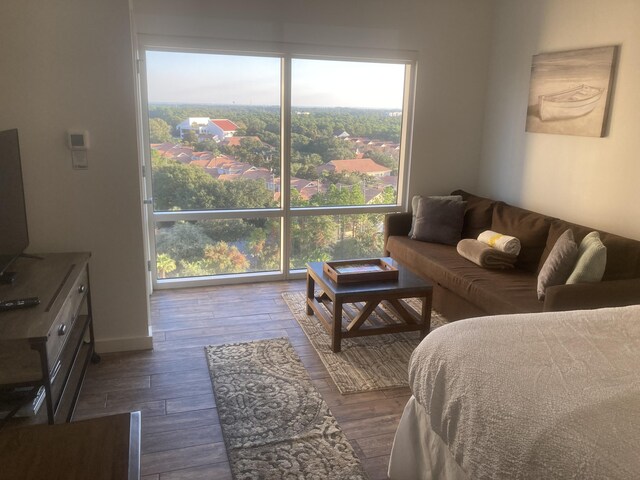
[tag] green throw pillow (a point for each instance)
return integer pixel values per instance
(592, 260)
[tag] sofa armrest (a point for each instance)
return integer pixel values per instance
(579, 296)
(396, 224)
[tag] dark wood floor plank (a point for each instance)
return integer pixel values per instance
(377, 445)
(188, 437)
(188, 404)
(182, 458)
(218, 471)
(179, 421)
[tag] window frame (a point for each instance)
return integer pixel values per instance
(286, 53)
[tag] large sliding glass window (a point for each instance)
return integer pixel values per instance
(259, 164)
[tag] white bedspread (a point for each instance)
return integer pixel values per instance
(536, 396)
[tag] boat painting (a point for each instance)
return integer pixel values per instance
(570, 92)
(571, 103)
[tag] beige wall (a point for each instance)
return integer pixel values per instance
(452, 39)
(592, 181)
(67, 64)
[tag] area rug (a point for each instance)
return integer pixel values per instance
(274, 422)
(376, 362)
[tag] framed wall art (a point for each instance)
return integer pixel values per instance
(570, 92)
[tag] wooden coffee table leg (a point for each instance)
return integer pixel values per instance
(310, 290)
(336, 337)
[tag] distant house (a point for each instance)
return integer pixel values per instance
(344, 135)
(176, 151)
(355, 165)
(217, 129)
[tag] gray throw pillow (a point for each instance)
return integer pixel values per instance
(439, 220)
(559, 263)
(414, 207)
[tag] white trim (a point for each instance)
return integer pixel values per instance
(112, 345)
(280, 49)
(406, 142)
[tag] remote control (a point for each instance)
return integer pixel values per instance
(18, 303)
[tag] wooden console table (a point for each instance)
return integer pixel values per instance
(50, 345)
(101, 448)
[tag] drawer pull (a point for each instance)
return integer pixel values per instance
(62, 329)
(82, 289)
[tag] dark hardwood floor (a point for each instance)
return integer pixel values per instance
(181, 435)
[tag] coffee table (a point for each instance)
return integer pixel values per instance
(329, 305)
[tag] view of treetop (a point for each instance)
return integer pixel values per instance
(251, 151)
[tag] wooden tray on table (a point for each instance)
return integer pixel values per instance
(365, 270)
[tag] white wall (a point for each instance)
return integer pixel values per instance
(67, 64)
(592, 181)
(452, 39)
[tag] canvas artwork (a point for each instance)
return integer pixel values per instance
(569, 92)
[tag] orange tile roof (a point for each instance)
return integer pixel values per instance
(228, 176)
(199, 163)
(225, 125)
(360, 165)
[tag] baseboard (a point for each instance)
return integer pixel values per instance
(111, 345)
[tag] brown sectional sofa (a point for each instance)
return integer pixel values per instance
(463, 289)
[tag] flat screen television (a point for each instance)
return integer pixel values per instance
(14, 236)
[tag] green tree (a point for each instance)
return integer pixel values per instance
(219, 258)
(207, 146)
(182, 241)
(159, 131)
(312, 239)
(190, 136)
(383, 159)
(165, 264)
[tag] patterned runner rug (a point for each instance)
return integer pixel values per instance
(376, 362)
(274, 422)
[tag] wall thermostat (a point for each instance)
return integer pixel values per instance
(78, 140)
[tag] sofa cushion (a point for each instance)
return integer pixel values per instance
(559, 263)
(415, 202)
(623, 254)
(495, 291)
(439, 220)
(532, 229)
(477, 215)
(592, 260)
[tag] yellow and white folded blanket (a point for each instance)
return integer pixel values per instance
(504, 243)
(485, 256)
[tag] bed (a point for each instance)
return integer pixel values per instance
(529, 396)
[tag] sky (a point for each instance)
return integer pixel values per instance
(174, 77)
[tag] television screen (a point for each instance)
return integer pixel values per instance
(14, 237)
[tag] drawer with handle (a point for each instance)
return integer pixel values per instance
(63, 324)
